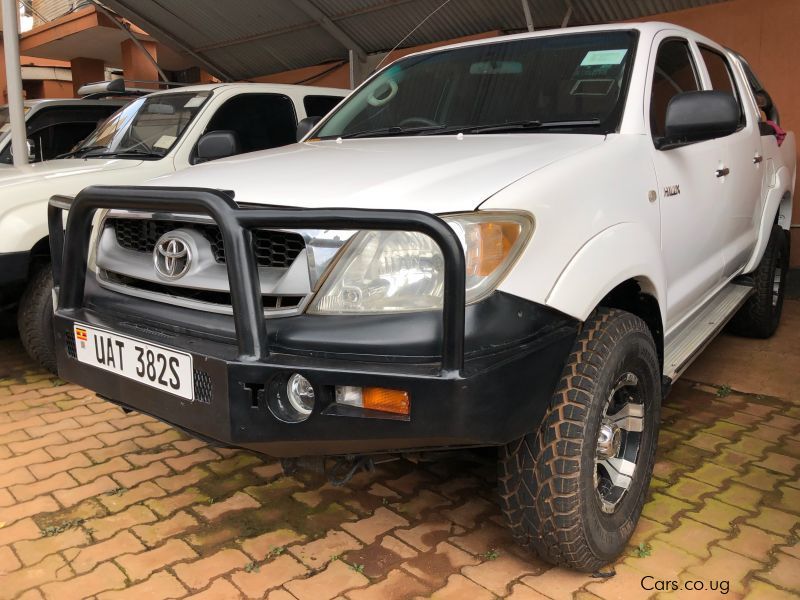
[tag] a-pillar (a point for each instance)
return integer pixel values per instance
(86, 70)
(136, 66)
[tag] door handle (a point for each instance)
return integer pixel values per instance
(758, 159)
(723, 172)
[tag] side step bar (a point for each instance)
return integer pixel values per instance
(699, 331)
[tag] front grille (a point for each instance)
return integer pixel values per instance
(271, 248)
(269, 301)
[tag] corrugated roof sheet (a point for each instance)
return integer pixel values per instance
(245, 38)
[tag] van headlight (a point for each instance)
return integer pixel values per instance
(400, 271)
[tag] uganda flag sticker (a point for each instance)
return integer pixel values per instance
(81, 336)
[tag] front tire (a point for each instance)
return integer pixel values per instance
(761, 314)
(573, 489)
(35, 318)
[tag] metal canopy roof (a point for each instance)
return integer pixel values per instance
(239, 39)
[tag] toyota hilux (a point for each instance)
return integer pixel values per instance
(517, 242)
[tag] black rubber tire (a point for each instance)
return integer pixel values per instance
(546, 479)
(35, 318)
(760, 316)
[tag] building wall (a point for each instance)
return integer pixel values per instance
(49, 10)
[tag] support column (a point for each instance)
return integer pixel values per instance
(136, 66)
(86, 70)
(16, 109)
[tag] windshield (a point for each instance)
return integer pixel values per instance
(5, 119)
(148, 127)
(553, 83)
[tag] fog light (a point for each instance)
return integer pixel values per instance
(300, 394)
(383, 399)
(291, 400)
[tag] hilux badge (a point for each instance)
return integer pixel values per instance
(171, 257)
(672, 190)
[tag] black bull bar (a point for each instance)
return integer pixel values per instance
(70, 248)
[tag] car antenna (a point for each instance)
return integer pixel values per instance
(410, 33)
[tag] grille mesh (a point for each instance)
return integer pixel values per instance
(203, 388)
(271, 248)
(69, 339)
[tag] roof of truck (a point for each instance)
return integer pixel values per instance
(649, 28)
(262, 87)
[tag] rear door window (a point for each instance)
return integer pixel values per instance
(260, 121)
(721, 74)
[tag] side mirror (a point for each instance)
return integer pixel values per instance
(217, 144)
(31, 150)
(700, 116)
(305, 126)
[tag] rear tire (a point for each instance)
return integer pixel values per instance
(558, 492)
(35, 318)
(760, 316)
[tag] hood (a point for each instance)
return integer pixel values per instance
(61, 169)
(435, 174)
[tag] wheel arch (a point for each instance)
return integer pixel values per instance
(637, 296)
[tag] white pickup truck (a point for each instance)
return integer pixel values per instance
(516, 242)
(158, 134)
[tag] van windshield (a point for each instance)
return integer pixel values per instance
(552, 83)
(146, 128)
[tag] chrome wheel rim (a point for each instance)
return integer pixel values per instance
(618, 442)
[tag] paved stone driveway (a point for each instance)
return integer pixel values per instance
(94, 503)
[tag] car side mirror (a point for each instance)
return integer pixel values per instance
(305, 126)
(217, 144)
(699, 116)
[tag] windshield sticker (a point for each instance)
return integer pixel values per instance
(195, 101)
(603, 57)
(165, 141)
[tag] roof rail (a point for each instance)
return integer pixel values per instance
(118, 87)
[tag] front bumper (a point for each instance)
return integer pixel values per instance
(490, 383)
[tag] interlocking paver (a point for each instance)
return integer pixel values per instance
(142, 565)
(196, 575)
(262, 578)
(336, 578)
(85, 559)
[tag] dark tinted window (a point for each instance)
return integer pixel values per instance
(558, 80)
(56, 130)
(721, 75)
(319, 106)
(261, 121)
(674, 73)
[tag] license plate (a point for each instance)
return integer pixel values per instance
(146, 363)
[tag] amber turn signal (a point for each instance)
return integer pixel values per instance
(488, 245)
(393, 401)
(372, 398)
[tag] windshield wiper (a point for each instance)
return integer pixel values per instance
(81, 151)
(515, 126)
(126, 153)
(391, 131)
(522, 125)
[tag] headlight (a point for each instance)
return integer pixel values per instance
(398, 271)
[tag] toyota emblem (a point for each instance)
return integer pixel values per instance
(171, 257)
